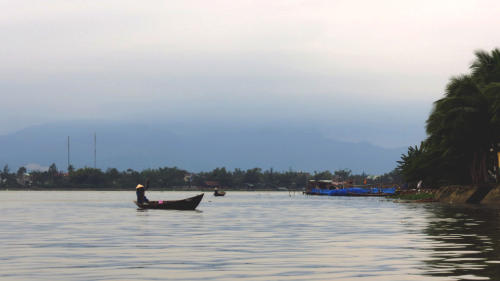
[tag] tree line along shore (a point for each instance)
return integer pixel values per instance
(173, 178)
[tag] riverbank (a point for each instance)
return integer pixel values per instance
(482, 194)
(415, 196)
(455, 194)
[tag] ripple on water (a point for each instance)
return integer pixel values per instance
(245, 235)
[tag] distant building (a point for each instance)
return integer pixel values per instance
(327, 184)
(212, 183)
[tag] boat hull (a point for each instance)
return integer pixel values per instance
(351, 194)
(353, 191)
(222, 193)
(185, 204)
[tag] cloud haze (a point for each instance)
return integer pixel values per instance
(361, 70)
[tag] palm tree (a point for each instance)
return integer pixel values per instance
(459, 127)
(486, 72)
(492, 91)
(464, 127)
(486, 67)
(410, 162)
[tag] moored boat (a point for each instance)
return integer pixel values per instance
(330, 188)
(353, 191)
(184, 204)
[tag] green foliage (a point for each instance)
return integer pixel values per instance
(164, 177)
(414, 196)
(343, 174)
(5, 171)
(21, 171)
(173, 177)
(418, 164)
(87, 176)
(6, 178)
(463, 129)
(252, 178)
(325, 175)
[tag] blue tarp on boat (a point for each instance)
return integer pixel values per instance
(353, 191)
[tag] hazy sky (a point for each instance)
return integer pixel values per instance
(360, 70)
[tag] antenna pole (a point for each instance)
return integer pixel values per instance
(95, 151)
(68, 154)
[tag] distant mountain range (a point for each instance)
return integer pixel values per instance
(191, 147)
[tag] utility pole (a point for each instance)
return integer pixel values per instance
(95, 151)
(68, 154)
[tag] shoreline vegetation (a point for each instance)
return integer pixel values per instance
(167, 178)
(419, 196)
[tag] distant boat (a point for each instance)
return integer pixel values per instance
(185, 204)
(219, 193)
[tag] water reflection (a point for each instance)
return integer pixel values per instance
(465, 242)
(245, 236)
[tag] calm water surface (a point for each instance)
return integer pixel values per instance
(80, 235)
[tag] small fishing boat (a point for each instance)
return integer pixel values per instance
(185, 204)
(219, 193)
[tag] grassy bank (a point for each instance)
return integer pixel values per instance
(424, 196)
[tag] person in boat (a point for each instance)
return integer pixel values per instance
(218, 193)
(140, 190)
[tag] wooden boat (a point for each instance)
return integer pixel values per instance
(219, 193)
(185, 204)
(347, 194)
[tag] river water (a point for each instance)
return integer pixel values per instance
(92, 235)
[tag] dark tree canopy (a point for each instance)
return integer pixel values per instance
(463, 130)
